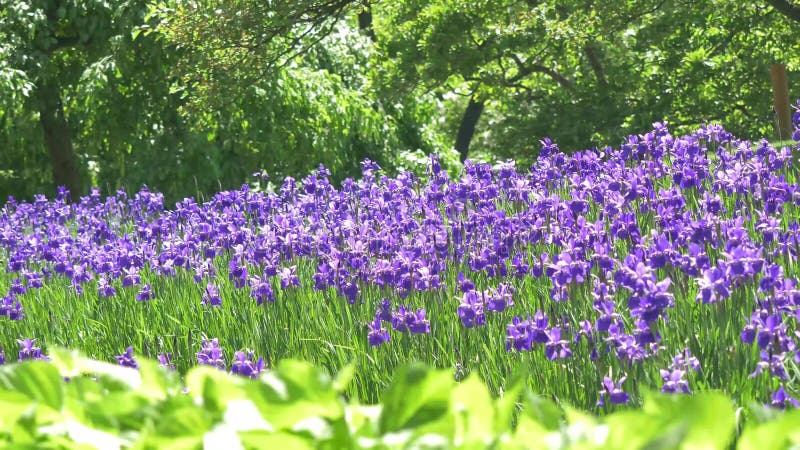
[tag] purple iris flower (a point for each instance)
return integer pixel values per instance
(384, 310)
(104, 288)
(556, 348)
(11, 308)
(145, 294)
(130, 277)
(126, 359)
(376, 334)
(406, 320)
(211, 354)
(613, 391)
(244, 364)
(2, 357)
(288, 276)
(780, 399)
(29, 350)
(211, 296)
(165, 360)
(471, 310)
(674, 381)
(519, 335)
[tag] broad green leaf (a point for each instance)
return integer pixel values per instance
(281, 440)
(417, 397)
(12, 406)
(38, 380)
(507, 404)
(473, 410)
(214, 388)
(782, 432)
(293, 392)
(542, 410)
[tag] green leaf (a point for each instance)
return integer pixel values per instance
(474, 413)
(507, 404)
(12, 406)
(418, 396)
(344, 377)
(281, 440)
(543, 411)
(38, 380)
(780, 433)
(214, 388)
(293, 392)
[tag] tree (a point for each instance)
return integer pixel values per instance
(50, 43)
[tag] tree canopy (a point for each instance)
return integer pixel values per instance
(190, 96)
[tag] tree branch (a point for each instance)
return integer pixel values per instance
(786, 8)
(526, 69)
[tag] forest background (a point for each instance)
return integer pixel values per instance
(190, 97)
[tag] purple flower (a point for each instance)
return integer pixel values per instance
(613, 391)
(519, 335)
(211, 296)
(498, 299)
(126, 359)
(211, 354)
(130, 277)
(244, 364)
(556, 348)
(2, 357)
(104, 288)
(674, 381)
(377, 335)
(384, 311)
(165, 360)
(406, 320)
(29, 351)
(470, 310)
(11, 307)
(145, 294)
(780, 399)
(288, 276)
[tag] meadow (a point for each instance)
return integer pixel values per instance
(667, 263)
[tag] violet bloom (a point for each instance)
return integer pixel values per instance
(17, 287)
(244, 364)
(130, 277)
(556, 348)
(780, 399)
(165, 360)
(104, 288)
(126, 359)
(470, 311)
(407, 320)
(29, 351)
(145, 294)
(518, 335)
(11, 307)
(377, 335)
(211, 354)
(211, 296)
(2, 357)
(613, 391)
(384, 311)
(288, 276)
(674, 381)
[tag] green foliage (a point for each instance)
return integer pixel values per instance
(296, 406)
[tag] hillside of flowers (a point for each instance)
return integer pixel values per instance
(667, 263)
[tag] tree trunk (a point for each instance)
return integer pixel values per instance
(365, 20)
(467, 128)
(591, 53)
(57, 137)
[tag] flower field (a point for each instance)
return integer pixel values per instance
(668, 263)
